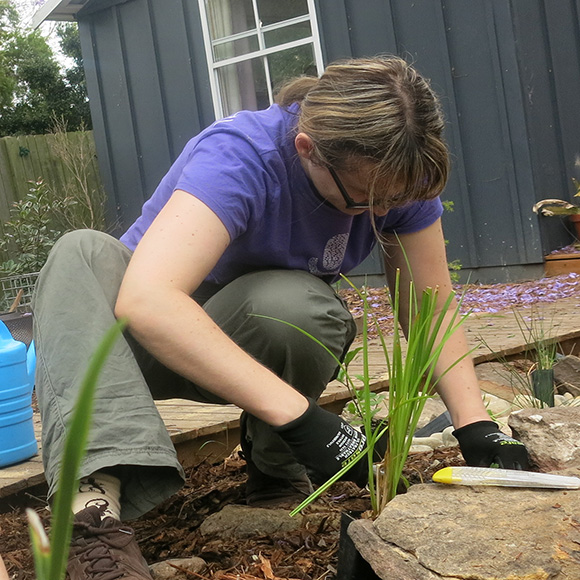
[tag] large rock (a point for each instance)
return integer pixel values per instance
(447, 532)
(456, 532)
(567, 375)
(551, 435)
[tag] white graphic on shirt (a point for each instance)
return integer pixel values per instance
(332, 257)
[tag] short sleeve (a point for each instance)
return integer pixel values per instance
(227, 174)
(413, 218)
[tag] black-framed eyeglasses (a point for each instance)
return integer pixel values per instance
(350, 203)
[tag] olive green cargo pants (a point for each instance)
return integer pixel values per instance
(73, 308)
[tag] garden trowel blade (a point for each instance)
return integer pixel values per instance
(435, 426)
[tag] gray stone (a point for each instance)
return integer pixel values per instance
(496, 372)
(567, 375)
(177, 568)
(552, 436)
(238, 521)
(434, 406)
(486, 533)
(387, 560)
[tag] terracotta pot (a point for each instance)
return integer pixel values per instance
(575, 219)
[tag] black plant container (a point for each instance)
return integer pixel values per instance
(351, 565)
(543, 385)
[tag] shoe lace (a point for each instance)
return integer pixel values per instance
(94, 548)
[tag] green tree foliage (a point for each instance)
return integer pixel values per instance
(33, 88)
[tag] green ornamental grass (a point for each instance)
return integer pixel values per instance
(411, 383)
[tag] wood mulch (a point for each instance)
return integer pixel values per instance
(172, 529)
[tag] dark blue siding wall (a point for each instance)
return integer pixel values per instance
(508, 74)
(507, 71)
(149, 93)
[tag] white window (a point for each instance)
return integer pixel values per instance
(253, 46)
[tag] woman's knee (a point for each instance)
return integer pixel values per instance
(280, 304)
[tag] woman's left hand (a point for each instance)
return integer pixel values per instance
(483, 444)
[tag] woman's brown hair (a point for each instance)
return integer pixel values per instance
(380, 110)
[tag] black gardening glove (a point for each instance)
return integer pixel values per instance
(324, 443)
(483, 444)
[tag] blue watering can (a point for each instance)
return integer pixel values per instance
(17, 365)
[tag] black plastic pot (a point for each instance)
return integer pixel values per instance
(543, 385)
(351, 565)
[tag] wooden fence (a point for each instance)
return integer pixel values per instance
(28, 158)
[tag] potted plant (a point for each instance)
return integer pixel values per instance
(562, 261)
(560, 207)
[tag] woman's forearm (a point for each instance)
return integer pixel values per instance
(177, 331)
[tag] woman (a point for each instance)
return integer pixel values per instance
(258, 215)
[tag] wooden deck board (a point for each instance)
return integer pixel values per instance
(189, 421)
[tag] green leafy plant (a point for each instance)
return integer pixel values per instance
(32, 230)
(455, 265)
(411, 376)
(50, 556)
(411, 380)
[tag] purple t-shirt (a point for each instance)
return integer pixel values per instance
(245, 169)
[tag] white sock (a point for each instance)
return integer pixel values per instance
(100, 490)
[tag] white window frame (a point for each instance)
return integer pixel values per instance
(263, 52)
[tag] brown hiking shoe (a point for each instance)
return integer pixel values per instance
(266, 491)
(104, 549)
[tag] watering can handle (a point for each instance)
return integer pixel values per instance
(4, 332)
(31, 363)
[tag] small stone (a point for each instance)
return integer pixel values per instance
(179, 568)
(559, 400)
(496, 406)
(432, 442)
(420, 448)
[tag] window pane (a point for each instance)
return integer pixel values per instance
(287, 34)
(291, 63)
(272, 11)
(227, 17)
(243, 86)
(226, 50)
